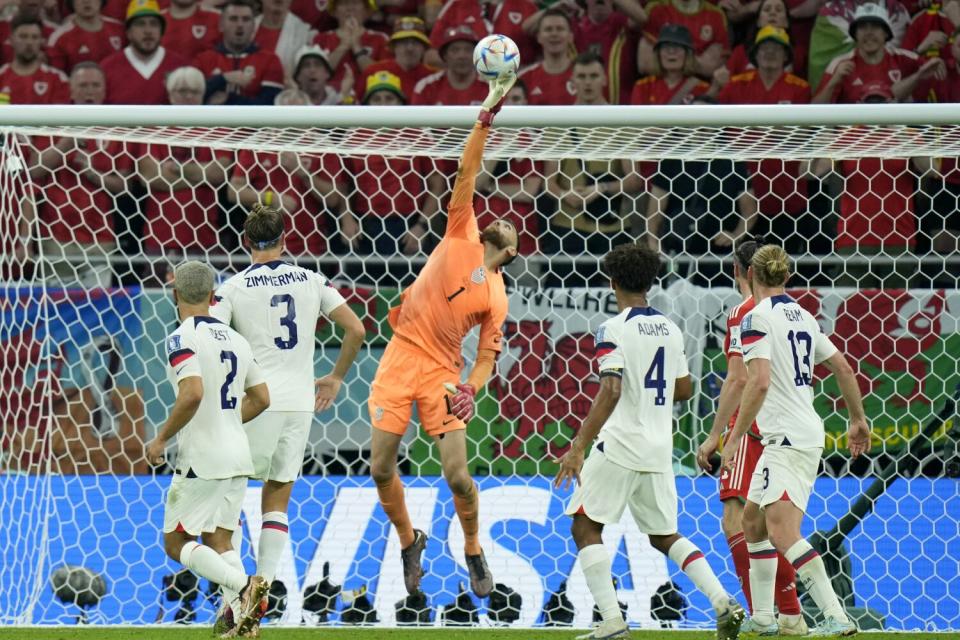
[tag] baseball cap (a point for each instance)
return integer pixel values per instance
(410, 27)
(142, 8)
(675, 34)
(383, 81)
(776, 34)
(870, 12)
(453, 34)
(311, 50)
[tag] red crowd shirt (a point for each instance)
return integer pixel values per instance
(437, 90)
(76, 209)
(504, 17)
(263, 171)
(776, 183)
(373, 41)
(71, 44)
(617, 45)
(408, 78)
(388, 186)
(491, 208)
(733, 348)
(263, 65)
(545, 88)
(922, 24)
(191, 36)
(267, 38)
(739, 61)
(876, 206)
(655, 90)
(46, 85)
(185, 219)
(707, 26)
(127, 82)
(895, 65)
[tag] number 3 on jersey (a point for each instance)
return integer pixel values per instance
(289, 321)
(654, 379)
(800, 345)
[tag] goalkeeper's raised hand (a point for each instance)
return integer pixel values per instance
(499, 88)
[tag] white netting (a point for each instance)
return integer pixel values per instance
(94, 217)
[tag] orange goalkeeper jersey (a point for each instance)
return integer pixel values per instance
(455, 292)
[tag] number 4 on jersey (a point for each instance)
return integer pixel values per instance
(654, 378)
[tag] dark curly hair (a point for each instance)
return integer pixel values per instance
(263, 227)
(632, 267)
(744, 249)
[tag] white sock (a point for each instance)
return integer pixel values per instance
(207, 563)
(691, 561)
(763, 577)
(230, 596)
(273, 540)
(813, 575)
(595, 563)
(236, 538)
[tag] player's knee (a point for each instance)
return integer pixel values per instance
(663, 543)
(732, 520)
(172, 545)
(585, 531)
(382, 471)
(460, 482)
(754, 527)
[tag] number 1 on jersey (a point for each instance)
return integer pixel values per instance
(654, 379)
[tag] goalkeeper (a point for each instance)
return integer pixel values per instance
(459, 287)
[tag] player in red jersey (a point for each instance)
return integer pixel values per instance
(705, 21)
(86, 35)
(458, 84)
(191, 29)
(550, 80)
(673, 81)
(735, 483)
(506, 17)
(352, 47)
(26, 79)
(409, 43)
(237, 70)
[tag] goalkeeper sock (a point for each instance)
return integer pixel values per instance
(813, 575)
(231, 597)
(787, 601)
(741, 564)
(273, 540)
(468, 510)
(207, 563)
(394, 505)
(595, 563)
(691, 561)
(763, 574)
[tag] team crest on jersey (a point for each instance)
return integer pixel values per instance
(83, 50)
(515, 17)
(570, 88)
(746, 323)
(599, 337)
(478, 276)
(895, 75)
(198, 31)
(249, 70)
(40, 87)
(115, 42)
(173, 344)
(706, 32)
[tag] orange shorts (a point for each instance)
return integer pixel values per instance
(406, 375)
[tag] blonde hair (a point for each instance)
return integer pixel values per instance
(191, 77)
(771, 266)
(193, 282)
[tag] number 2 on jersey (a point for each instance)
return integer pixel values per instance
(226, 400)
(289, 321)
(654, 379)
(802, 372)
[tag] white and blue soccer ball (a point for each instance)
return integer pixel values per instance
(495, 55)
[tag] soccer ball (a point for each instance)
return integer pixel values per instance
(494, 56)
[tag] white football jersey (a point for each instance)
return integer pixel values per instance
(275, 306)
(644, 348)
(781, 331)
(213, 445)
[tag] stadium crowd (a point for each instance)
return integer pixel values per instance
(103, 198)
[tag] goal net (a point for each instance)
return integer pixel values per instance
(97, 208)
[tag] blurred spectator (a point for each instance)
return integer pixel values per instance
(409, 43)
(280, 31)
(78, 206)
(136, 74)
(191, 29)
(593, 197)
(931, 34)
(776, 193)
(26, 79)
(706, 23)
(24, 7)
(85, 35)
(458, 84)
(549, 81)
(673, 80)
(237, 70)
(484, 17)
(771, 13)
(301, 185)
(352, 47)
(872, 63)
(611, 28)
(312, 74)
(181, 209)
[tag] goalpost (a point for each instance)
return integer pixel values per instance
(98, 203)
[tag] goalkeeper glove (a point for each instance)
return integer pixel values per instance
(499, 88)
(461, 405)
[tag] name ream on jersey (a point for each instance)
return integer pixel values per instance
(654, 329)
(793, 315)
(275, 281)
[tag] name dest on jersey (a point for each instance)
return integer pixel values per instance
(274, 281)
(649, 329)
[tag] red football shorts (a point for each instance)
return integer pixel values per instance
(736, 482)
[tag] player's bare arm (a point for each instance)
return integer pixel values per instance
(354, 332)
(754, 393)
(858, 432)
(256, 399)
(189, 396)
(603, 405)
(729, 400)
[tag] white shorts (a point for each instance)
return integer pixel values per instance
(606, 489)
(784, 473)
(196, 505)
(278, 440)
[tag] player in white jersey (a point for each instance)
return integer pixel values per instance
(276, 305)
(219, 386)
(781, 344)
(643, 371)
